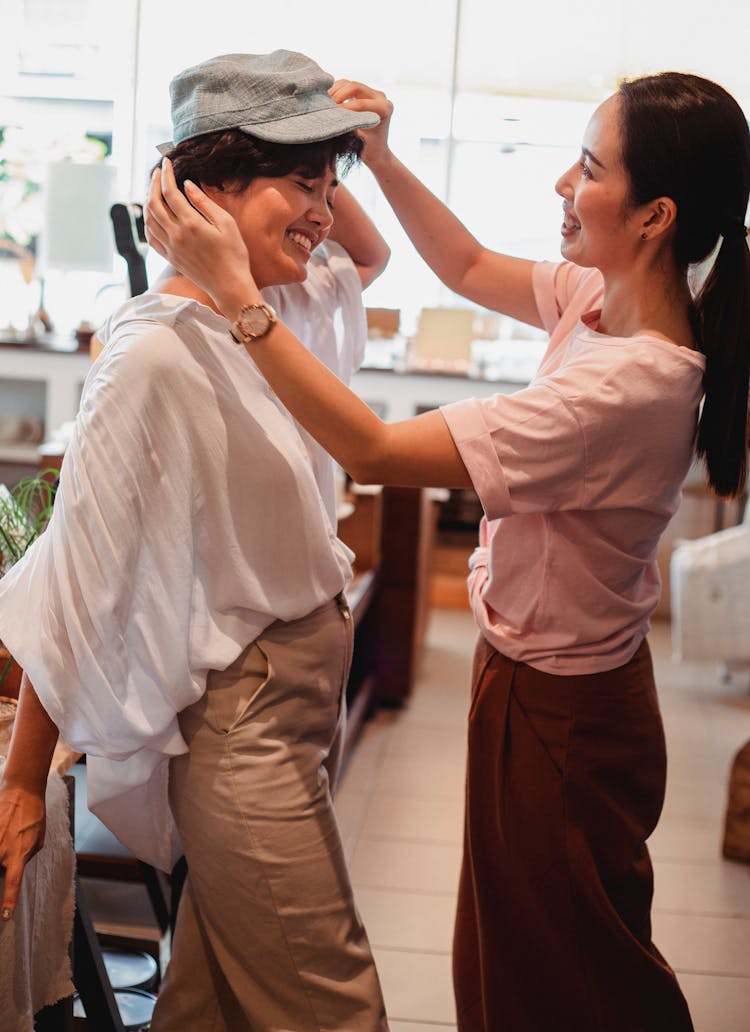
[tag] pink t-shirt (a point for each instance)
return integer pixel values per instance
(578, 474)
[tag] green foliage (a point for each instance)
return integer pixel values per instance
(24, 514)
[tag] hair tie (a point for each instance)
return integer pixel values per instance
(734, 228)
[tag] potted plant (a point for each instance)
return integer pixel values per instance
(24, 513)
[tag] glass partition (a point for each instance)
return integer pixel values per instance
(491, 96)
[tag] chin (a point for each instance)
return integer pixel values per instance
(568, 252)
(582, 263)
(282, 277)
(293, 272)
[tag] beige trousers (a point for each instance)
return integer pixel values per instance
(268, 937)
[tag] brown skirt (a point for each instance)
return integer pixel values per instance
(565, 782)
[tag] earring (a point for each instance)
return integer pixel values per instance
(644, 236)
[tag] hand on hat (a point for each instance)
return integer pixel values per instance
(200, 240)
(357, 97)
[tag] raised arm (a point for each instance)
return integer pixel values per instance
(356, 232)
(496, 281)
(202, 240)
(22, 792)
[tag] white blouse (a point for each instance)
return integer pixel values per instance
(188, 519)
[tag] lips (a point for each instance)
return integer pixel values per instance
(569, 224)
(567, 220)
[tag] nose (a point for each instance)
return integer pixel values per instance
(564, 186)
(320, 212)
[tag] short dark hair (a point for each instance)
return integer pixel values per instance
(686, 138)
(231, 158)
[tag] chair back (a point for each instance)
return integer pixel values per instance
(130, 241)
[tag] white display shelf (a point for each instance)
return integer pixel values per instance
(59, 373)
(399, 395)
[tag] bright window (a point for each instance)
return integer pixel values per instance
(491, 96)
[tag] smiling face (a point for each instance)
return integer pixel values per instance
(282, 219)
(600, 227)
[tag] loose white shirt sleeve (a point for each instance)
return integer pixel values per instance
(187, 520)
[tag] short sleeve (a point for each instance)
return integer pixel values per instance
(349, 319)
(524, 452)
(558, 285)
(325, 311)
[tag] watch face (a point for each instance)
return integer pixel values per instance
(254, 322)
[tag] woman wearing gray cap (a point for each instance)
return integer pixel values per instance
(183, 620)
(578, 474)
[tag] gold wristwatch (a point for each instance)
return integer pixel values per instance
(253, 322)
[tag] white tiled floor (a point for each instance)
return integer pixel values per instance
(400, 805)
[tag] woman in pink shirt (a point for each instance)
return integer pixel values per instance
(578, 475)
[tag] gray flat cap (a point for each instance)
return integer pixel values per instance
(281, 97)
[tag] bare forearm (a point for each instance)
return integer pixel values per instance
(415, 452)
(500, 282)
(22, 792)
(358, 235)
(33, 743)
(443, 241)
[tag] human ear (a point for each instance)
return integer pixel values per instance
(219, 196)
(659, 216)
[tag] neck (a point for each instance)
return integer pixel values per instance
(172, 282)
(649, 297)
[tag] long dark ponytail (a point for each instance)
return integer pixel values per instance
(686, 138)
